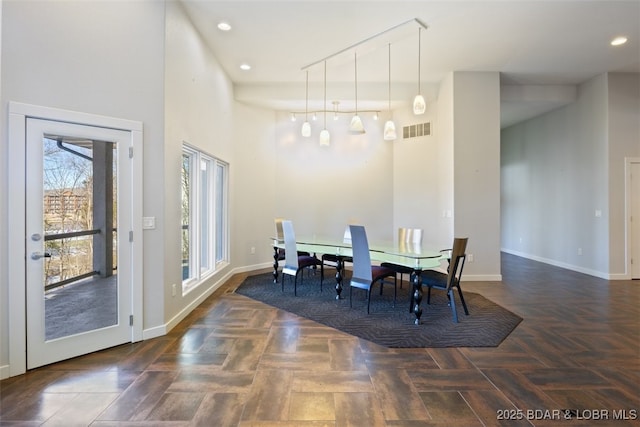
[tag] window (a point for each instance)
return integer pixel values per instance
(204, 216)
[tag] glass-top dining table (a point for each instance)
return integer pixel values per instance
(415, 257)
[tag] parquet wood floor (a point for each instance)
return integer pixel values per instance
(237, 362)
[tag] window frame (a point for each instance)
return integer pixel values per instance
(203, 216)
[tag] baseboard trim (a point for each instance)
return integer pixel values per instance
(196, 302)
(594, 273)
(162, 330)
(4, 372)
(156, 332)
(618, 276)
(482, 278)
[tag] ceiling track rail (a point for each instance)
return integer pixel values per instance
(348, 48)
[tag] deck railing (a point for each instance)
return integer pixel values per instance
(70, 235)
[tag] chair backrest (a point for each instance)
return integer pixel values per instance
(290, 251)
(279, 232)
(346, 238)
(456, 263)
(410, 238)
(361, 256)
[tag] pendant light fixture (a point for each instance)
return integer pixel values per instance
(356, 126)
(325, 138)
(306, 127)
(419, 106)
(389, 127)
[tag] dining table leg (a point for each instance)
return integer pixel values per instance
(416, 296)
(339, 270)
(275, 264)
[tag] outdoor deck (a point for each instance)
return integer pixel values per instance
(80, 307)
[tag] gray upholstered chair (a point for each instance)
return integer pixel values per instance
(366, 275)
(294, 262)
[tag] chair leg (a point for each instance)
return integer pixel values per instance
(464, 305)
(368, 299)
(395, 290)
(350, 294)
(452, 302)
(428, 294)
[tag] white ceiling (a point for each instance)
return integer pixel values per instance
(535, 45)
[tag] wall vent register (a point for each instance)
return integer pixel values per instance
(413, 131)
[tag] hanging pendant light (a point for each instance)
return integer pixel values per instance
(325, 138)
(419, 105)
(306, 127)
(356, 126)
(389, 127)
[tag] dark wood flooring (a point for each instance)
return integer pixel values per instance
(237, 362)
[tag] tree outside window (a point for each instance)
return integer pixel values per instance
(204, 217)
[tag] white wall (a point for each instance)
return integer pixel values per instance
(100, 57)
(449, 183)
(560, 168)
(198, 107)
(322, 189)
(423, 176)
(121, 70)
(4, 333)
(476, 181)
(254, 186)
(624, 141)
(200, 110)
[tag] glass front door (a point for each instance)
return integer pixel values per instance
(78, 294)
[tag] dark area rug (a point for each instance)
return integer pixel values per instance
(487, 325)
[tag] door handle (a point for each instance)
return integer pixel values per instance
(38, 255)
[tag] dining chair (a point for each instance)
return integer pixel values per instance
(409, 239)
(279, 238)
(451, 280)
(364, 274)
(294, 263)
(331, 260)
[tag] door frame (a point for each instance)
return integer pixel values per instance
(18, 114)
(628, 213)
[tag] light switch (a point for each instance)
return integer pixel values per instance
(149, 222)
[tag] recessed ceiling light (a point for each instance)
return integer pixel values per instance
(245, 67)
(224, 26)
(618, 41)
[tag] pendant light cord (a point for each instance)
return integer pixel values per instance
(389, 77)
(306, 103)
(419, 51)
(325, 94)
(355, 61)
